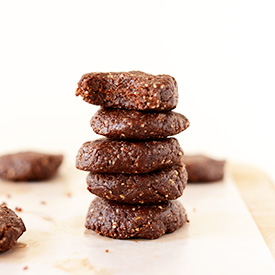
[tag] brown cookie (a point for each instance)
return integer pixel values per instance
(133, 90)
(131, 124)
(203, 169)
(129, 157)
(11, 228)
(123, 221)
(29, 166)
(153, 187)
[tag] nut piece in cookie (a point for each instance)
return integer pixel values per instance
(132, 90)
(11, 228)
(129, 157)
(29, 166)
(203, 169)
(137, 125)
(124, 221)
(153, 187)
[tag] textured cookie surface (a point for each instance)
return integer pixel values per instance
(203, 169)
(130, 157)
(132, 90)
(153, 187)
(123, 221)
(29, 166)
(131, 124)
(11, 228)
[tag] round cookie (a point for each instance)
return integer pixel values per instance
(29, 166)
(130, 124)
(153, 187)
(129, 157)
(132, 90)
(11, 228)
(123, 221)
(203, 169)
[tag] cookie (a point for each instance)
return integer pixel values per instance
(153, 187)
(11, 228)
(203, 169)
(123, 221)
(132, 90)
(130, 124)
(29, 166)
(129, 157)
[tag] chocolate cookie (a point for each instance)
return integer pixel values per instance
(153, 187)
(29, 166)
(123, 221)
(129, 157)
(130, 124)
(11, 228)
(203, 169)
(133, 90)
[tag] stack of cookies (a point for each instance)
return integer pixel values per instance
(136, 171)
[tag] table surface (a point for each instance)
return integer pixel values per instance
(221, 238)
(258, 192)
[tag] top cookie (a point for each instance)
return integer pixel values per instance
(132, 90)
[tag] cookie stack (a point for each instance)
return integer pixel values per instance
(136, 171)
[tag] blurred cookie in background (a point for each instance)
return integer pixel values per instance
(29, 166)
(201, 168)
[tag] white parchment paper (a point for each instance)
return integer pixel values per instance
(221, 237)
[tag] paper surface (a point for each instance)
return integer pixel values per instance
(221, 237)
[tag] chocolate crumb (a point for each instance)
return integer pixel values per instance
(18, 209)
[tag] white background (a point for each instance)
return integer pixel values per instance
(220, 52)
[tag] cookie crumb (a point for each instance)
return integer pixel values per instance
(107, 250)
(43, 202)
(18, 209)
(194, 209)
(8, 196)
(68, 194)
(25, 267)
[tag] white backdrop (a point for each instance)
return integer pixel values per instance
(220, 52)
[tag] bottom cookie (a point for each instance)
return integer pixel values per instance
(124, 221)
